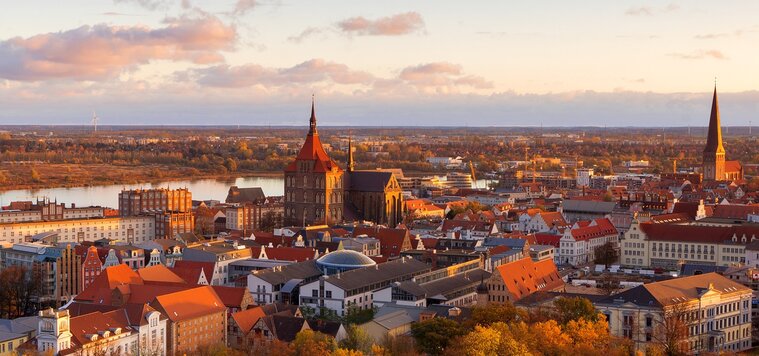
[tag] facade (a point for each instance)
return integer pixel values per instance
(578, 244)
(313, 184)
(129, 229)
(221, 255)
(706, 313)
(374, 196)
(356, 288)
(668, 245)
(58, 267)
(249, 217)
(137, 201)
(91, 266)
(191, 325)
(169, 223)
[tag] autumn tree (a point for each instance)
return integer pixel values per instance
(493, 313)
(312, 343)
(434, 335)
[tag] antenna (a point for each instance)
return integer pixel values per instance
(95, 120)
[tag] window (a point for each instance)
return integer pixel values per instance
(314, 293)
(329, 294)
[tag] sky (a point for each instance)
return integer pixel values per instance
(378, 63)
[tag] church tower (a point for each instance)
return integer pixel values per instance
(313, 184)
(714, 153)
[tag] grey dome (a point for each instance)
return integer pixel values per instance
(345, 259)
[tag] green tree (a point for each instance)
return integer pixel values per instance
(357, 340)
(575, 308)
(605, 254)
(494, 313)
(434, 335)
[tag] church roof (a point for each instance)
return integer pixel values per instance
(714, 138)
(370, 181)
(312, 150)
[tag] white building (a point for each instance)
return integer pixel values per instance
(578, 245)
(715, 311)
(356, 288)
(128, 229)
(583, 177)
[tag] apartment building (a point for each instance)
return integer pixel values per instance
(713, 312)
(131, 229)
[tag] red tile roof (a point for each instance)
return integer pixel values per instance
(598, 228)
(246, 319)
(698, 233)
(159, 274)
(295, 254)
(524, 277)
(189, 304)
(231, 296)
(547, 239)
(99, 291)
(735, 211)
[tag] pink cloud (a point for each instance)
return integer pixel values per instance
(396, 25)
(94, 52)
(700, 54)
(312, 71)
(441, 74)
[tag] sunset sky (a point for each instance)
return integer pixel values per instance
(373, 63)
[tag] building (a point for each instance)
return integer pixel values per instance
(46, 210)
(578, 245)
(170, 223)
(713, 312)
(221, 254)
(356, 288)
(58, 267)
(201, 322)
(513, 281)
(714, 165)
(249, 217)
(313, 184)
(318, 191)
(281, 284)
(576, 210)
(128, 229)
(137, 201)
(16, 332)
(664, 245)
(88, 334)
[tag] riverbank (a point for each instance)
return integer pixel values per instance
(41, 176)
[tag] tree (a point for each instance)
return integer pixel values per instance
(357, 340)
(230, 164)
(574, 308)
(493, 313)
(356, 315)
(434, 335)
(609, 284)
(312, 343)
(605, 254)
(670, 331)
(35, 176)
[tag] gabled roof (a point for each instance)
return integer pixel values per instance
(99, 291)
(588, 206)
(524, 277)
(190, 303)
(246, 319)
(245, 195)
(284, 327)
(370, 181)
(231, 296)
(83, 326)
(699, 233)
(392, 271)
(192, 269)
(159, 274)
(733, 211)
(598, 228)
(312, 150)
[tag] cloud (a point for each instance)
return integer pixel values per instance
(441, 74)
(243, 6)
(309, 32)
(700, 54)
(396, 25)
(308, 72)
(147, 4)
(650, 11)
(95, 52)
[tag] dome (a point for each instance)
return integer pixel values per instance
(344, 260)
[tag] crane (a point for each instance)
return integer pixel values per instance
(474, 178)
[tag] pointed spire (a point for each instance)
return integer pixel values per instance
(312, 121)
(714, 138)
(350, 154)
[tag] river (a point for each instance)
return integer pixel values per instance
(108, 195)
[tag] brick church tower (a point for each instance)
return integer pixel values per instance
(714, 152)
(313, 184)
